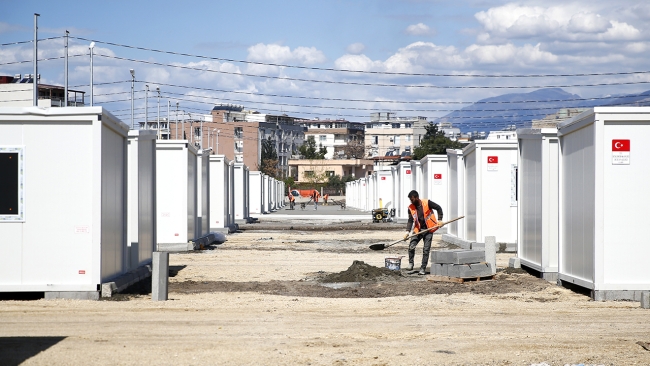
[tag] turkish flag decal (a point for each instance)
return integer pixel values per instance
(437, 176)
(383, 178)
(620, 145)
(408, 171)
(493, 160)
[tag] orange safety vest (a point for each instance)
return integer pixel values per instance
(315, 195)
(430, 218)
(291, 197)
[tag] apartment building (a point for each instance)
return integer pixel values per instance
(389, 135)
(237, 133)
(334, 135)
(18, 91)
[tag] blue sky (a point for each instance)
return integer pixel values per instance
(487, 37)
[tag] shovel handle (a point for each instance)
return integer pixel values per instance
(440, 224)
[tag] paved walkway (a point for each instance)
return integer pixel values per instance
(324, 212)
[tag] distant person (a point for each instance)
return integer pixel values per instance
(421, 217)
(292, 200)
(315, 196)
(325, 197)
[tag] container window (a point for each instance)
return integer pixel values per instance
(11, 183)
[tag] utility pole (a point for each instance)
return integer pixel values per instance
(35, 76)
(146, 107)
(65, 70)
(177, 121)
(132, 87)
(169, 130)
(91, 47)
(158, 118)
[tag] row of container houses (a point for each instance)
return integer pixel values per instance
(569, 201)
(85, 201)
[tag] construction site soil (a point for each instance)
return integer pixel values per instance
(317, 295)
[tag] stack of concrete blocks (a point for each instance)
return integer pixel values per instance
(460, 263)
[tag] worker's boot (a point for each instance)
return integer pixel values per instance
(409, 267)
(422, 271)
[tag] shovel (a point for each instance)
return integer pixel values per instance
(382, 246)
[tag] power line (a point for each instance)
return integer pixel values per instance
(368, 109)
(374, 84)
(30, 41)
(386, 101)
(362, 71)
(40, 59)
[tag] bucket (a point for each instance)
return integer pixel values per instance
(394, 263)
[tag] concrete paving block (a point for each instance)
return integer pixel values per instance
(645, 299)
(476, 270)
(72, 295)
(514, 262)
(491, 251)
(160, 276)
(457, 256)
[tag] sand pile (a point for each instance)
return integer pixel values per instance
(362, 272)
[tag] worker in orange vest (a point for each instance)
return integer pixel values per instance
(315, 196)
(421, 217)
(325, 197)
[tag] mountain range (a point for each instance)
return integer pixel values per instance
(520, 109)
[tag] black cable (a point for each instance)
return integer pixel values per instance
(385, 101)
(30, 41)
(371, 84)
(360, 71)
(40, 59)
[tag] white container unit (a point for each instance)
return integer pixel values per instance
(63, 216)
(490, 191)
(435, 185)
(365, 189)
(266, 201)
(384, 190)
(203, 193)
(456, 192)
(242, 199)
(255, 191)
(141, 202)
(604, 174)
(404, 186)
(222, 215)
(177, 201)
(538, 190)
(272, 193)
(416, 175)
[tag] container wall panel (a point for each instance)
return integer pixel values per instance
(530, 201)
(470, 196)
(578, 195)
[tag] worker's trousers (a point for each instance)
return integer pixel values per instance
(427, 237)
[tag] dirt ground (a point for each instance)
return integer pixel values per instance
(276, 297)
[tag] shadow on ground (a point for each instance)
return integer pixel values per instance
(16, 350)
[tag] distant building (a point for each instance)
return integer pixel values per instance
(451, 132)
(389, 135)
(18, 91)
(303, 169)
(334, 135)
(237, 133)
(552, 120)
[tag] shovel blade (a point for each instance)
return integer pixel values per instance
(379, 246)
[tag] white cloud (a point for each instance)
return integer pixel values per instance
(566, 22)
(588, 23)
(274, 53)
(420, 29)
(357, 62)
(355, 48)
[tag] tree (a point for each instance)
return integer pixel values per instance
(269, 158)
(434, 142)
(355, 150)
(308, 149)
